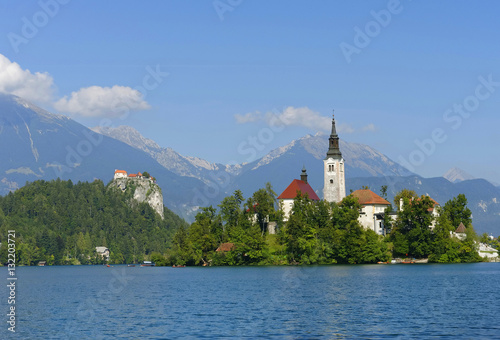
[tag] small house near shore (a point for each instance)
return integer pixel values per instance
(372, 211)
(103, 252)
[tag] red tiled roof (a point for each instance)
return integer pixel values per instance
(296, 186)
(461, 228)
(120, 172)
(368, 197)
(226, 247)
(132, 175)
(256, 204)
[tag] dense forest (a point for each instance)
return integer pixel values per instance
(319, 232)
(62, 223)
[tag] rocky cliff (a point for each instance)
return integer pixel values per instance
(141, 190)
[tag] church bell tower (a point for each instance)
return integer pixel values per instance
(334, 187)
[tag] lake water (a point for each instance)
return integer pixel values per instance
(319, 302)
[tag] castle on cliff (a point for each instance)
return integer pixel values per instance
(123, 174)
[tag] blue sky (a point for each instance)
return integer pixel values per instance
(419, 81)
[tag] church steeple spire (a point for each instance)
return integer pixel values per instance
(333, 148)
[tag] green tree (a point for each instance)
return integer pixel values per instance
(300, 233)
(182, 248)
(383, 191)
(412, 228)
(468, 251)
(456, 211)
(447, 248)
(373, 249)
(205, 234)
(262, 206)
(406, 195)
(230, 210)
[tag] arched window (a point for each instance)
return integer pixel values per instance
(331, 181)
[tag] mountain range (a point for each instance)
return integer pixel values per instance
(36, 144)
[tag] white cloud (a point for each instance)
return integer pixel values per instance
(301, 116)
(248, 117)
(369, 127)
(291, 116)
(37, 87)
(97, 101)
(93, 101)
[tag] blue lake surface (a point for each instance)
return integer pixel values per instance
(460, 301)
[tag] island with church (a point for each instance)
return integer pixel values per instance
(297, 227)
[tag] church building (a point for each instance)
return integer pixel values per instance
(334, 185)
(334, 176)
(296, 188)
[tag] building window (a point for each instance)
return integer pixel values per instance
(331, 167)
(341, 167)
(331, 181)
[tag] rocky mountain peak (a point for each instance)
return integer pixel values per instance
(456, 175)
(129, 135)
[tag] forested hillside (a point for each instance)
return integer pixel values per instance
(62, 223)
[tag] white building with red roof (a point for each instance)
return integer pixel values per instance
(372, 211)
(298, 187)
(120, 174)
